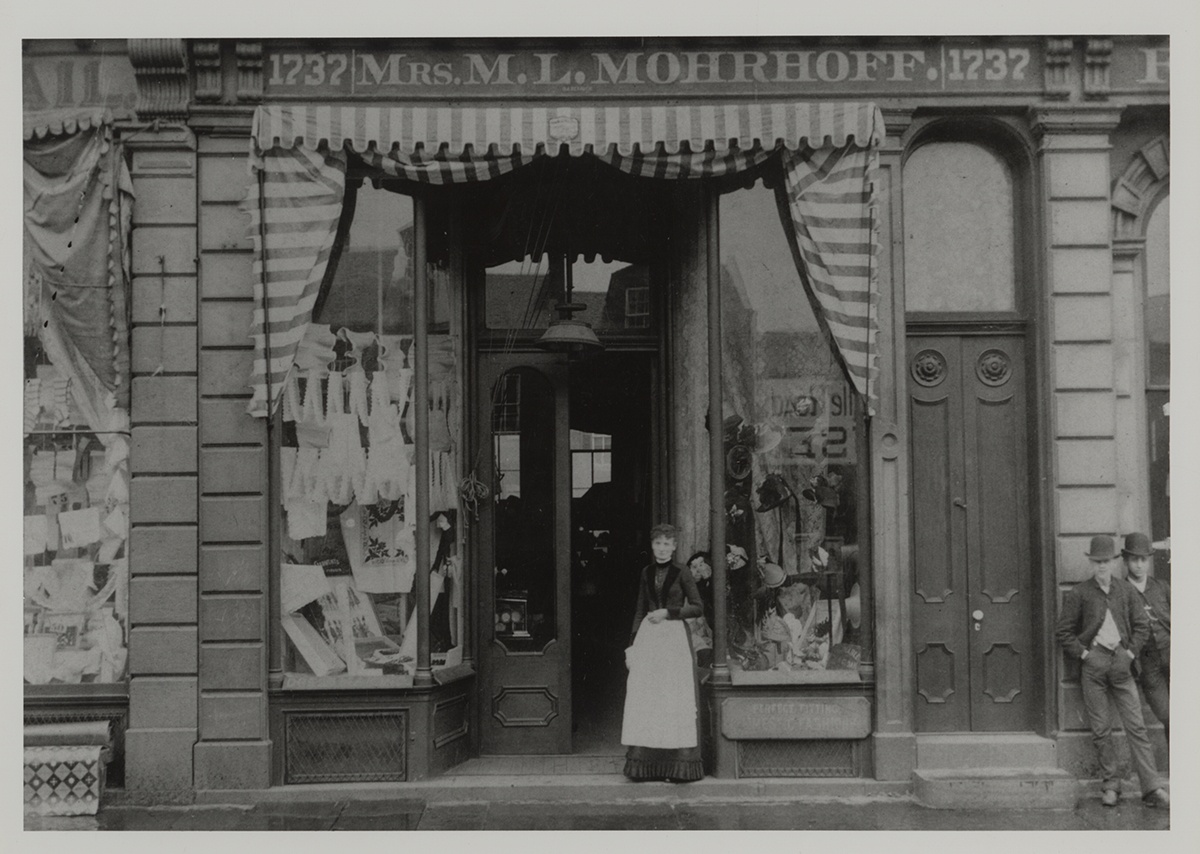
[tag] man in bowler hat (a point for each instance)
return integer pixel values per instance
(1154, 596)
(1104, 626)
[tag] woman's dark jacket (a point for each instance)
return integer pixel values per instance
(681, 597)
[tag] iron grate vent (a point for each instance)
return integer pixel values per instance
(345, 747)
(114, 771)
(808, 758)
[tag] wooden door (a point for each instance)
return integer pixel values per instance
(972, 582)
(523, 609)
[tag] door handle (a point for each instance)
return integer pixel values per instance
(958, 502)
(977, 616)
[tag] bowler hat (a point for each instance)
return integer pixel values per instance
(1102, 548)
(1137, 545)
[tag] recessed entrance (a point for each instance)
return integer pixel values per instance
(568, 446)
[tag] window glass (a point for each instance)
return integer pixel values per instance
(1158, 371)
(76, 524)
(347, 461)
(958, 230)
(792, 457)
(522, 418)
(522, 294)
(1158, 294)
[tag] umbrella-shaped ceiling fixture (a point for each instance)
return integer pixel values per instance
(565, 334)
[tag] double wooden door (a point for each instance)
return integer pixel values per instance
(972, 596)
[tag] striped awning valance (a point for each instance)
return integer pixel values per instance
(582, 128)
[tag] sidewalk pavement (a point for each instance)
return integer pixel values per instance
(676, 813)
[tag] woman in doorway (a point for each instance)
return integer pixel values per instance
(660, 726)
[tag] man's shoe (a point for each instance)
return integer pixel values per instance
(1157, 800)
(1110, 797)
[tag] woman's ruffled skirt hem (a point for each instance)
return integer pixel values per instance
(647, 763)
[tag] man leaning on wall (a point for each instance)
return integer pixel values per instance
(1104, 625)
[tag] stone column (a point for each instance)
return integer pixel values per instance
(1079, 339)
(891, 571)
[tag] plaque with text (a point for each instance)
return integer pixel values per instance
(795, 717)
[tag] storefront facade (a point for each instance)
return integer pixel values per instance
(888, 360)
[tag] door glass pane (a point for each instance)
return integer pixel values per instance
(523, 537)
(792, 458)
(958, 230)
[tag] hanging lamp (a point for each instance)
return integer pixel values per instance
(565, 334)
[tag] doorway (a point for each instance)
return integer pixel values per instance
(973, 579)
(561, 544)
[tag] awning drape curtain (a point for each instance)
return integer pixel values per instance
(77, 213)
(827, 152)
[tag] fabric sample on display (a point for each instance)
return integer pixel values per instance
(300, 584)
(35, 535)
(32, 404)
(79, 528)
(117, 523)
(313, 405)
(305, 518)
(357, 380)
(47, 467)
(380, 547)
(291, 398)
(65, 585)
(343, 465)
(315, 350)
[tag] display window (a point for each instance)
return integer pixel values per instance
(793, 455)
(347, 457)
(1157, 318)
(76, 523)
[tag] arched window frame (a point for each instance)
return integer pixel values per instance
(1004, 140)
(1136, 195)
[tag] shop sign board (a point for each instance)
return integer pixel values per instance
(920, 67)
(82, 80)
(795, 717)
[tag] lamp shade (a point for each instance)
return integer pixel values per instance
(570, 336)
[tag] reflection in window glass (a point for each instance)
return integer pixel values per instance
(958, 230)
(522, 295)
(791, 458)
(1158, 371)
(1158, 294)
(347, 460)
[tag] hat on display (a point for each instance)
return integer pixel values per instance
(772, 574)
(1137, 545)
(1102, 548)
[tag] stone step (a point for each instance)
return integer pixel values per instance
(583, 788)
(985, 750)
(996, 788)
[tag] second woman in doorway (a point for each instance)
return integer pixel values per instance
(660, 725)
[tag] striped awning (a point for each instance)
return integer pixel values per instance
(42, 123)
(582, 128)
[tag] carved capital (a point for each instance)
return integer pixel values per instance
(1059, 77)
(160, 68)
(206, 62)
(1097, 58)
(249, 71)
(1083, 119)
(897, 121)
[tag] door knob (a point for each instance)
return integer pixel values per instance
(977, 615)
(958, 502)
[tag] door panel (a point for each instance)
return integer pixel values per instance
(525, 637)
(972, 558)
